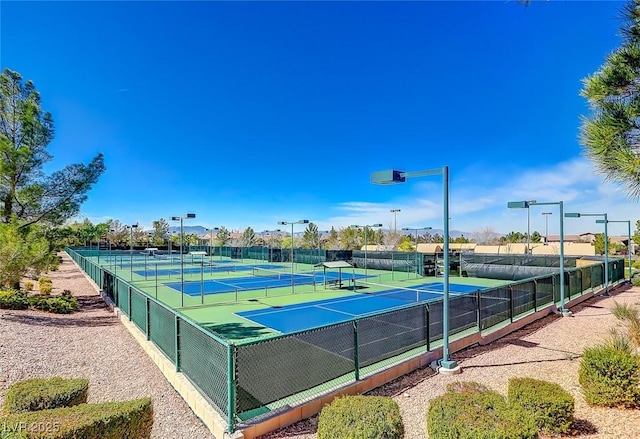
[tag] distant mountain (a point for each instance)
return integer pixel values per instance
(452, 233)
(198, 230)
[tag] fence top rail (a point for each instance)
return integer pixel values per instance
(566, 270)
(162, 305)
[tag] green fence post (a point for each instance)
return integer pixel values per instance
(427, 332)
(479, 312)
(129, 294)
(511, 304)
(356, 351)
(146, 301)
(177, 353)
(231, 387)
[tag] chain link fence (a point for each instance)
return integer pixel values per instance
(247, 380)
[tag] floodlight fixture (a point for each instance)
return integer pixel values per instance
(284, 223)
(525, 204)
(181, 219)
(606, 243)
(409, 229)
(395, 176)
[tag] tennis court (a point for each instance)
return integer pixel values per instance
(262, 278)
(206, 268)
(298, 317)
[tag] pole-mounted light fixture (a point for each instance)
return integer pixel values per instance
(284, 223)
(181, 219)
(395, 176)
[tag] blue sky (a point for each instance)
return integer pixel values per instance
(250, 113)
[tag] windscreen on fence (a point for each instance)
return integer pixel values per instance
(409, 262)
(273, 369)
(519, 260)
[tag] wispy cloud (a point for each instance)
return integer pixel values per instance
(483, 204)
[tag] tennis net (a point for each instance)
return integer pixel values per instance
(283, 276)
(414, 294)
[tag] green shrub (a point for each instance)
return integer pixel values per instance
(610, 376)
(44, 280)
(622, 311)
(13, 299)
(28, 285)
(635, 280)
(550, 405)
(109, 420)
(63, 304)
(45, 289)
(470, 412)
(466, 386)
(7, 433)
(370, 417)
(40, 394)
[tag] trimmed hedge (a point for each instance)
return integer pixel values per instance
(361, 417)
(610, 376)
(40, 394)
(472, 412)
(65, 303)
(549, 404)
(109, 420)
(62, 304)
(14, 299)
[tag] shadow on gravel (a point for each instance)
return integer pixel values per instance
(71, 276)
(58, 321)
(581, 427)
(91, 303)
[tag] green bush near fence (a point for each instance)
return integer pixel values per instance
(471, 411)
(610, 375)
(14, 299)
(62, 304)
(40, 394)
(110, 420)
(550, 405)
(65, 303)
(351, 417)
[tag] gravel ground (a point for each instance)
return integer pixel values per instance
(90, 344)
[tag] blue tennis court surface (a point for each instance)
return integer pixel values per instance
(229, 285)
(293, 318)
(205, 269)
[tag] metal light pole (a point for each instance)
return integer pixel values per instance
(181, 219)
(131, 227)
(605, 222)
(271, 232)
(629, 242)
(447, 365)
(284, 223)
(366, 242)
(395, 220)
(416, 230)
(529, 226)
(211, 244)
(560, 204)
(546, 227)
(606, 243)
